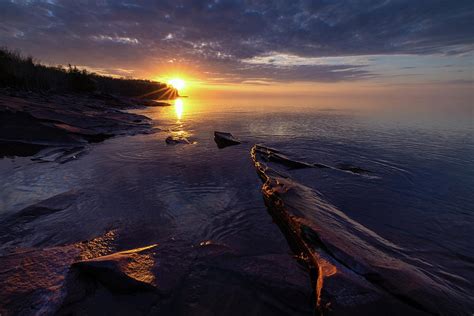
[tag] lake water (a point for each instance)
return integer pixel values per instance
(418, 193)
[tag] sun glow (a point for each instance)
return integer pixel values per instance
(177, 83)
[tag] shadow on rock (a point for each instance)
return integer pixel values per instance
(119, 283)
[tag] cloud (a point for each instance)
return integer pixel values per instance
(169, 36)
(287, 60)
(249, 40)
(115, 39)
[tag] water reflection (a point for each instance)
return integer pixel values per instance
(178, 108)
(178, 130)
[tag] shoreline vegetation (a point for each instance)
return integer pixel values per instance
(25, 73)
(55, 107)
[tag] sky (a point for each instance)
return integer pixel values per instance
(300, 47)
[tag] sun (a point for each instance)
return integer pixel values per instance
(177, 83)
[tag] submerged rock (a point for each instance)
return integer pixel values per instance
(60, 155)
(351, 168)
(223, 139)
(270, 154)
(354, 270)
(273, 155)
(174, 140)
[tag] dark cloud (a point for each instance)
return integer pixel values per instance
(221, 34)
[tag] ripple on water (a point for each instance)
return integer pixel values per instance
(151, 191)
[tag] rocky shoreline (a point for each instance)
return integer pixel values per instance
(97, 277)
(353, 270)
(31, 122)
(109, 274)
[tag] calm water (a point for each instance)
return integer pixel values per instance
(419, 194)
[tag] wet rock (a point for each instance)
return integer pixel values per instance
(126, 271)
(18, 225)
(198, 280)
(32, 281)
(213, 278)
(175, 140)
(60, 155)
(22, 127)
(273, 155)
(174, 278)
(223, 139)
(224, 282)
(354, 270)
(30, 120)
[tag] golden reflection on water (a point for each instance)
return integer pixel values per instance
(179, 108)
(179, 131)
